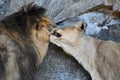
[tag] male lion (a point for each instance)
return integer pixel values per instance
(24, 38)
(100, 58)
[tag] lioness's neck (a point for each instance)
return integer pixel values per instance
(86, 47)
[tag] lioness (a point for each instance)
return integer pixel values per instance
(100, 58)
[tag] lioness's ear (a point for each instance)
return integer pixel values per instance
(79, 26)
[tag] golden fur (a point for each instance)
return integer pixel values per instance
(100, 58)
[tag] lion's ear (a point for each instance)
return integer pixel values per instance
(79, 26)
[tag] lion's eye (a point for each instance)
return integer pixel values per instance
(56, 34)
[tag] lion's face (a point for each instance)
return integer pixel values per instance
(41, 30)
(40, 36)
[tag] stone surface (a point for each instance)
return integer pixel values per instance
(116, 5)
(59, 10)
(4, 4)
(16, 4)
(10, 6)
(97, 24)
(57, 65)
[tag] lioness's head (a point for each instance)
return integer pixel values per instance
(68, 37)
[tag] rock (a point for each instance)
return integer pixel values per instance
(57, 65)
(97, 24)
(4, 4)
(8, 7)
(15, 5)
(116, 5)
(59, 10)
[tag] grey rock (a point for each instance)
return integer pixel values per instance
(4, 4)
(112, 33)
(116, 5)
(59, 10)
(57, 65)
(97, 24)
(15, 5)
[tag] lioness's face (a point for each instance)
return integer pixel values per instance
(67, 36)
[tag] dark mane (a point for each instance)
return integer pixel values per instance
(22, 21)
(33, 10)
(17, 45)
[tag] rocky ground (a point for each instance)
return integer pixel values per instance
(57, 65)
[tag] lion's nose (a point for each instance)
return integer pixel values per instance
(55, 33)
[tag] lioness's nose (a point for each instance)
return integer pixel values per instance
(55, 33)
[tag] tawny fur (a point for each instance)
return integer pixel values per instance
(105, 8)
(24, 38)
(100, 58)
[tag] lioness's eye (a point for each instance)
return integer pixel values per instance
(56, 34)
(37, 27)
